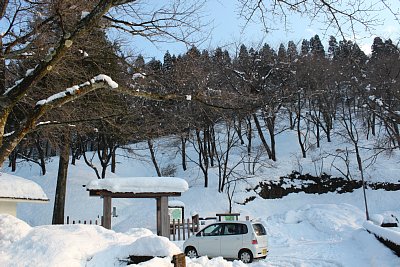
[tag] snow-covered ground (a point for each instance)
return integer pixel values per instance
(304, 230)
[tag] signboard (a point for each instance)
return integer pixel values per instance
(176, 214)
(229, 218)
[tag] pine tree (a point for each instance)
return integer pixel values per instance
(333, 47)
(305, 48)
(291, 51)
(317, 49)
(282, 53)
(377, 48)
(167, 66)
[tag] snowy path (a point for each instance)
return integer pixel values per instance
(295, 262)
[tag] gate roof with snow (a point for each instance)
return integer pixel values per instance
(159, 188)
(14, 189)
(132, 187)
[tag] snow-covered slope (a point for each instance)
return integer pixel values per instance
(303, 229)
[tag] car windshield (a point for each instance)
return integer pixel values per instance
(214, 229)
(259, 229)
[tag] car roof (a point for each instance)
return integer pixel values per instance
(242, 222)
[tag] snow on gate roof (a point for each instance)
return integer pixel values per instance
(140, 185)
(20, 189)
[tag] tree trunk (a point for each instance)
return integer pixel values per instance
(298, 118)
(291, 120)
(271, 129)
(373, 122)
(260, 133)
(113, 160)
(249, 135)
(303, 150)
(59, 199)
(239, 130)
(318, 135)
(211, 145)
(203, 159)
(13, 160)
(41, 157)
(153, 157)
(183, 142)
(2, 67)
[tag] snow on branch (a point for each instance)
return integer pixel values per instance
(77, 89)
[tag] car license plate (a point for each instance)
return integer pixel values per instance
(264, 251)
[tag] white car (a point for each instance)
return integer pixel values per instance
(244, 240)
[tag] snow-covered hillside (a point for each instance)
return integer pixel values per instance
(303, 229)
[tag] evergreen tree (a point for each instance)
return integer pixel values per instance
(167, 66)
(243, 58)
(139, 62)
(282, 53)
(377, 48)
(193, 52)
(154, 65)
(305, 48)
(291, 51)
(333, 47)
(317, 49)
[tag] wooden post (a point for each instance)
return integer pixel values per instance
(173, 229)
(196, 221)
(162, 217)
(107, 212)
(179, 229)
(188, 227)
(179, 260)
(183, 229)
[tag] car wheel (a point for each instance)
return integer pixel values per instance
(246, 256)
(191, 252)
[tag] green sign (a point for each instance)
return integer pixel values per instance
(229, 218)
(175, 214)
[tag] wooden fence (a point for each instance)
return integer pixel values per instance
(94, 222)
(178, 230)
(183, 230)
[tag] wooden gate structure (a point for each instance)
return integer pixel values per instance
(159, 188)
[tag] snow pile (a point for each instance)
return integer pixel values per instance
(75, 245)
(15, 187)
(386, 233)
(11, 229)
(140, 185)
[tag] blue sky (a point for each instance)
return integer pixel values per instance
(228, 31)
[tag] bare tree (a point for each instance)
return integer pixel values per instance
(177, 20)
(344, 17)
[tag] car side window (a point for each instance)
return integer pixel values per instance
(243, 229)
(212, 230)
(234, 229)
(229, 229)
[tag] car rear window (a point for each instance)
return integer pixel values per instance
(259, 229)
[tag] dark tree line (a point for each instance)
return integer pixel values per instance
(260, 93)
